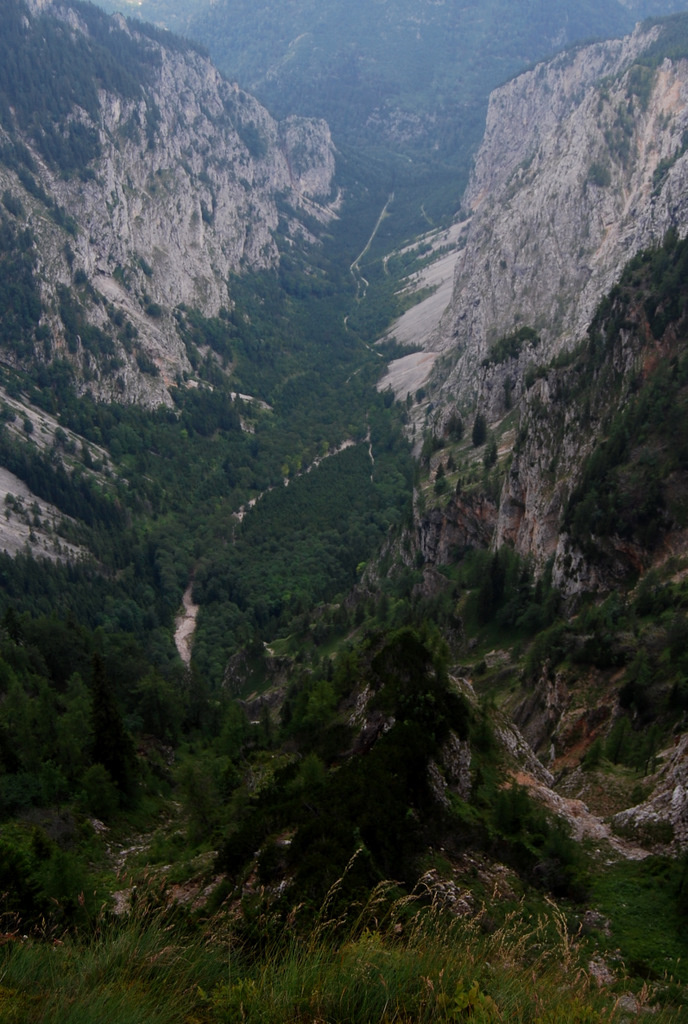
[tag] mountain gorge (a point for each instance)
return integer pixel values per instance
(399, 59)
(167, 266)
(424, 757)
(404, 86)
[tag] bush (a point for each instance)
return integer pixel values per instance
(510, 346)
(599, 175)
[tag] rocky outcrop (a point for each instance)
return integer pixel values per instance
(539, 713)
(465, 522)
(663, 818)
(193, 181)
(541, 475)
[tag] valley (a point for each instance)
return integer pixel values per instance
(343, 629)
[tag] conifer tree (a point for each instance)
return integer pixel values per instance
(479, 432)
(112, 745)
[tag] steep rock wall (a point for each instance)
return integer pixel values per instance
(192, 182)
(583, 163)
(465, 522)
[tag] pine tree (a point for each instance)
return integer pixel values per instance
(479, 432)
(112, 745)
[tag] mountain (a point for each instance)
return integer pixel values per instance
(582, 165)
(403, 86)
(142, 186)
(396, 72)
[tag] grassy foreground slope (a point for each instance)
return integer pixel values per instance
(414, 965)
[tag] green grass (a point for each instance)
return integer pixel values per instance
(131, 973)
(641, 898)
(400, 960)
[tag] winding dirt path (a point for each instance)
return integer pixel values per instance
(241, 512)
(185, 626)
(355, 269)
(185, 622)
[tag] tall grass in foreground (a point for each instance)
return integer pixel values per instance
(399, 961)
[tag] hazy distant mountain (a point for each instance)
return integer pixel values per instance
(653, 8)
(406, 74)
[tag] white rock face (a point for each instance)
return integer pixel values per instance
(584, 162)
(196, 205)
(668, 803)
(582, 165)
(185, 192)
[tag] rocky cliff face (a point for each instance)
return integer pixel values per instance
(668, 804)
(593, 415)
(466, 522)
(192, 182)
(583, 163)
(567, 331)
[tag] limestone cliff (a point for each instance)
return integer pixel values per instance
(583, 163)
(594, 480)
(192, 181)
